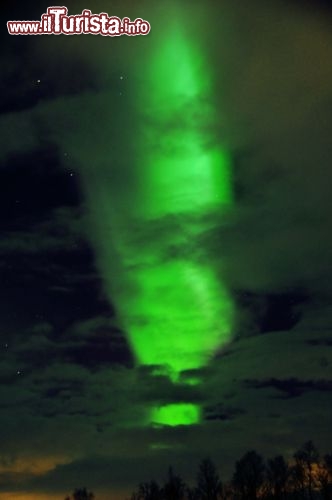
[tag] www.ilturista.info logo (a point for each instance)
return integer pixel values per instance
(56, 22)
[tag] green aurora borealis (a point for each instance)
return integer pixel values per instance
(189, 312)
(169, 300)
(166, 245)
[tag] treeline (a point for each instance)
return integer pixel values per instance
(307, 476)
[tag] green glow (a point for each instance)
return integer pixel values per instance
(171, 303)
(188, 311)
(183, 170)
(176, 414)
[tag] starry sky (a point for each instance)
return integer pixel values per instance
(72, 396)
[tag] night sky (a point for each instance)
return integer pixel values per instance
(98, 251)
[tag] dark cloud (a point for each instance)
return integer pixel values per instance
(222, 412)
(292, 387)
(101, 346)
(327, 342)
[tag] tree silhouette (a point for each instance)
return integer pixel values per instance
(307, 478)
(192, 493)
(324, 477)
(298, 480)
(81, 494)
(306, 457)
(149, 491)
(209, 486)
(174, 488)
(249, 475)
(277, 476)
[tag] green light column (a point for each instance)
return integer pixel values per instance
(185, 177)
(172, 306)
